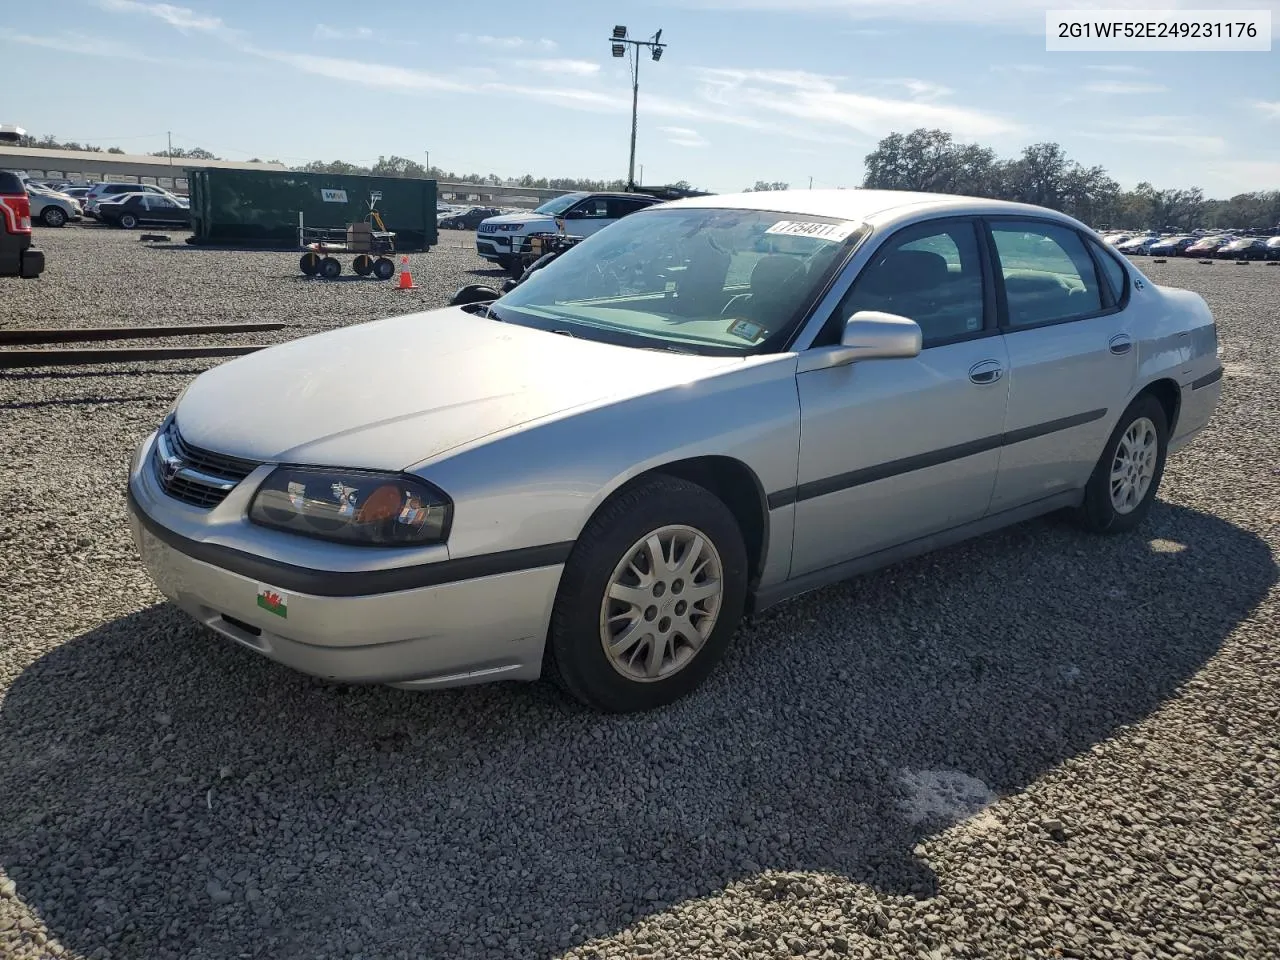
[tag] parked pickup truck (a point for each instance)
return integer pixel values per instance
(18, 258)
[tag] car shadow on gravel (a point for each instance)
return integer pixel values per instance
(167, 793)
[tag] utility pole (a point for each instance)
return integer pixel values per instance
(811, 183)
(169, 134)
(619, 43)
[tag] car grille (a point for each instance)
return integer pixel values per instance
(487, 228)
(195, 476)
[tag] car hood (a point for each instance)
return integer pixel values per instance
(388, 394)
(523, 218)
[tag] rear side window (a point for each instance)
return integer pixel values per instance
(11, 183)
(1048, 273)
(1111, 269)
(621, 206)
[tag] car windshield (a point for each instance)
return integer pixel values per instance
(700, 280)
(559, 204)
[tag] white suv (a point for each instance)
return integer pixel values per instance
(503, 239)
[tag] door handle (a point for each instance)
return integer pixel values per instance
(1120, 344)
(986, 371)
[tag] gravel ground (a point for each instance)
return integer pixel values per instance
(1039, 744)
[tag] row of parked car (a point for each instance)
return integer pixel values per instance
(125, 205)
(1225, 246)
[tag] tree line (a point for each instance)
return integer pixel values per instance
(1043, 174)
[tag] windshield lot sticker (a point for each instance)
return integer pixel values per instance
(746, 329)
(333, 196)
(273, 601)
(834, 232)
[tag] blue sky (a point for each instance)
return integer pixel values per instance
(747, 89)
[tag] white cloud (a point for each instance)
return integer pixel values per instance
(84, 45)
(1192, 142)
(1020, 68)
(819, 99)
(921, 89)
(325, 32)
(1125, 88)
(1022, 15)
(181, 18)
(1269, 108)
(369, 74)
(1116, 68)
(683, 136)
(506, 43)
(578, 68)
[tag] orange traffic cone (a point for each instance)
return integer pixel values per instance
(406, 278)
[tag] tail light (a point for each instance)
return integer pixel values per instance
(16, 209)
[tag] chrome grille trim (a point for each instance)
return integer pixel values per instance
(194, 475)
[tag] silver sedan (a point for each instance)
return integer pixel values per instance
(704, 409)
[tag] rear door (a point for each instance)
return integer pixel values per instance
(1072, 354)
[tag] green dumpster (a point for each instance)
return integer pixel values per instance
(256, 208)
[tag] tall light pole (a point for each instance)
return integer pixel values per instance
(619, 42)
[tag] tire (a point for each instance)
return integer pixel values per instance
(383, 268)
(330, 268)
(310, 264)
(1102, 512)
(53, 216)
(582, 614)
(362, 265)
(127, 221)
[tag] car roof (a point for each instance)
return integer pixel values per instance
(861, 204)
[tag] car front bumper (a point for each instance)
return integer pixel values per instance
(461, 632)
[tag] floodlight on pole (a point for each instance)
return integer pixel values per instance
(618, 43)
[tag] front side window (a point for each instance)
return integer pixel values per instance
(597, 208)
(697, 279)
(930, 273)
(1048, 274)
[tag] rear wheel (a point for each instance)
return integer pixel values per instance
(650, 597)
(383, 268)
(362, 265)
(310, 264)
(1124, 482)
(330, 268)
(53, 217)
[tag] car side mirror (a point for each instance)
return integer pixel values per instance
(867, 335)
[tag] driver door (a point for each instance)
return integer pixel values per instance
(894, 450)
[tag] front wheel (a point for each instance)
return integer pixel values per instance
(383, 268)
(650, 597)
(1125, 480)
(53, 217)
(330, 268)
(128, 221)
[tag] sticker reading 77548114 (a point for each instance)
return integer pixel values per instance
(834, 232)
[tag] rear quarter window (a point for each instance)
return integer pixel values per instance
(11, 183)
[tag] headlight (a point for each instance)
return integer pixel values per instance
(352, 506)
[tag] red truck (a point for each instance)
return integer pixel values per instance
(18, 258)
